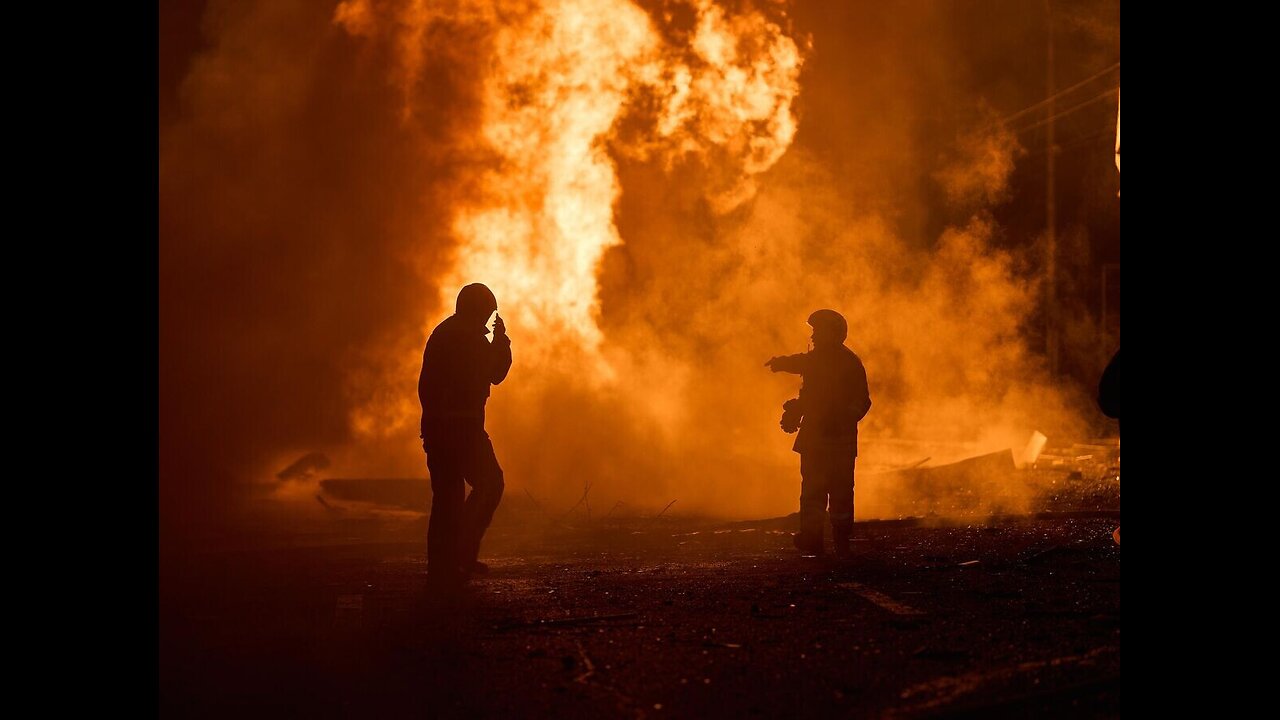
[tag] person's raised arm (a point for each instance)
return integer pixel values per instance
(501, 352)
(794, 364)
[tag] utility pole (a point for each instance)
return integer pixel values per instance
(1051, 211)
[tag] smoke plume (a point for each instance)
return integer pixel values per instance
(659, 193)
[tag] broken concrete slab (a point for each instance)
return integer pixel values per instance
(405, 493)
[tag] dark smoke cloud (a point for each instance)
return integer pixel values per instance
(295, 227)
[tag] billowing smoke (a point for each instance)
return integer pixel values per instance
(659, 193)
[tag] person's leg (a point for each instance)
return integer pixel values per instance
(446, 512)
(487, 486)
(813, 502)
(841, 511)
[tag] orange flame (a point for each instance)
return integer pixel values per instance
(561, 75)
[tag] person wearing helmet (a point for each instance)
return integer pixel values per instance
(458, 366)
(833, 398)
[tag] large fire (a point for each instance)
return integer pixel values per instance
(561, 78)
(645, 185)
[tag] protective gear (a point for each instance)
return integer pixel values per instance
(476, 300)
(831, 321)
(833, 399)
(458, 366)
(809, 541)
(792, 414)
(841, 532)
(826, 491)
(461, 456)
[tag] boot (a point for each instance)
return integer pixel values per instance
(443, 586)
(841, 532)
(808, 543)
(809, 540)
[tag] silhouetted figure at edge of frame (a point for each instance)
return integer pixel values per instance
(1109, 388)
(1109, 401)
(458, 366)
(833, 398)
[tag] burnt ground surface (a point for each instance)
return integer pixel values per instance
(654, 618)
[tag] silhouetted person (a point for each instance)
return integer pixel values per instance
(458, 366)
(1109, 394)
(1109, 388)
(833, 398)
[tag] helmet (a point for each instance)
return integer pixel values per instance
(476, 300)
(830, 321)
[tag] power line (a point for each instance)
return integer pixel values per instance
(1059, 94)
(1070, 110)
(1077, 141)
